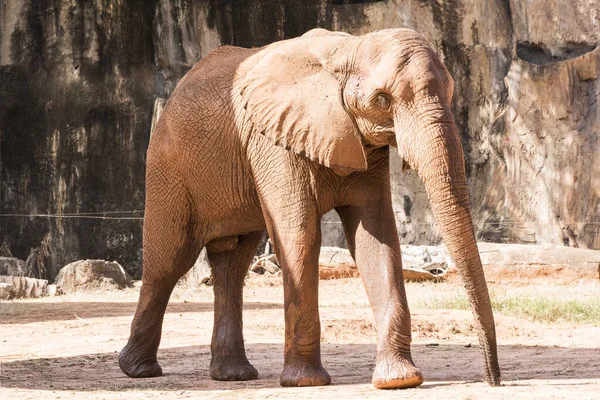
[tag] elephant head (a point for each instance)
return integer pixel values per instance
(328, 96)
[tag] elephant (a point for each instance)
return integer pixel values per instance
(271, 139)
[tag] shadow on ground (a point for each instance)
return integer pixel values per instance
(186, 368)
(23, 313)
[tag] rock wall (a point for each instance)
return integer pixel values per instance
(79, 80)
(77, 83)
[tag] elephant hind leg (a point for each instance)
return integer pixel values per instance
(229, 268)
(171, 245)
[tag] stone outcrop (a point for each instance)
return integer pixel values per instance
(79, 83)
(92, 274)
(19, 287)
(336, 263)
(519, 263)
(199, 274)
(266, 264)
(551, 159)
(420, 263)
(501, 262)
(6, 290)
(527, 105)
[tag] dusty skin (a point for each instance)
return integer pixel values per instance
(66, 347)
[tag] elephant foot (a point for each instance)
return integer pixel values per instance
(138, 367)
(232, 369)
(295, 375)
(396, 373)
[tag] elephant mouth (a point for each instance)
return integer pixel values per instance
(381, 137)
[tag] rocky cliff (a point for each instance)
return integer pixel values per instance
(79, 82)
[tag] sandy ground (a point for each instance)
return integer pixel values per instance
(66, 347)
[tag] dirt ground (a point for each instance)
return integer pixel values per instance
(66, 347)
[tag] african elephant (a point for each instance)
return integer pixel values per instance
(275, 137)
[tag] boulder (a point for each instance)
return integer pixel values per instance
(504, 262)
(422, 263)
(521, 263)
(200, 274)
(53, 290)
(92, 274)
(434, 259)
(17, 287)
(6, 290)
(419, 275)
(335, 263)
(266, 264)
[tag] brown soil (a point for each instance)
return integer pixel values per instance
(66, 347)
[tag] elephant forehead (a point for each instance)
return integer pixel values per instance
(388, 57)
(396, 73)
(403, 35)
(402, 42)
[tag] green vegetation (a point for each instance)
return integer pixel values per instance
(543, 303)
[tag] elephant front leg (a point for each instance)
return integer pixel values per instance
(299, 257)
(373, 240)
(297, 240)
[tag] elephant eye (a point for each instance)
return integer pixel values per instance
(383, 101)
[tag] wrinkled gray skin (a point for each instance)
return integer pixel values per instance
(274, 138)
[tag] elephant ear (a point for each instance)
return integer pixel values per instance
(295, 102)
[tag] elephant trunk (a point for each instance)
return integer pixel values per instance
(436, 154)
